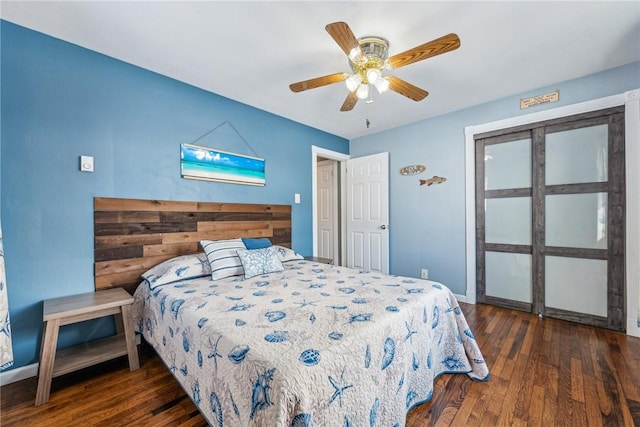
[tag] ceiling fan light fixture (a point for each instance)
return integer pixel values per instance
(381, 84)
(373, 75)
(352, 82)
(363, 91)
(354, 54)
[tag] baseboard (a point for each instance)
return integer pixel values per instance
(460, 298)
(18, 374)
(633, 326)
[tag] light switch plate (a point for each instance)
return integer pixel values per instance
(86, 163)
(296, 197)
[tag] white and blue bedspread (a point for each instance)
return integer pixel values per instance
(315, 345)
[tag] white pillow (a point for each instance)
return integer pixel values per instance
(178, 268)
(223, 258)
(286, 254)
(259, 261)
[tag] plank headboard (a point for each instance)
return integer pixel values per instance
(131, 236)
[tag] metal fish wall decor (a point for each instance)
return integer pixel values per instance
(434, 180)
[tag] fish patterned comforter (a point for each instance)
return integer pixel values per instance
(315, 345)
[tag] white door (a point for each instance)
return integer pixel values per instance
(368, 212)
(328, 210)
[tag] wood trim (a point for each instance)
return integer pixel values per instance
(572, 316)
(582, 188)
(576, 252)
(480, 224)
(507, 137)
(131, 235)
(549, 122)
(509, 192)
(507, 303)
(501, 247)
(616, 231)
(538, 238)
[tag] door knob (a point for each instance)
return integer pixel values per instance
(383, 227)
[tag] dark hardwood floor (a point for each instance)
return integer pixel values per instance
(544, 372)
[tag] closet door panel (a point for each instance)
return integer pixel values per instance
(508, 220)
(508, 165)
(508, 276)
(577, 155)
(576, 284)
(576, 220)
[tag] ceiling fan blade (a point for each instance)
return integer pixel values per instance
(435, 47)
(406, 89)
(318, 82)
(343, 35)
(350, 102)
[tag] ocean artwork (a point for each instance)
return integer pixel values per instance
(214, 165)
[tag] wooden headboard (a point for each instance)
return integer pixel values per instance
(131, 236)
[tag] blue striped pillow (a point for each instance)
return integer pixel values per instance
(223, 257)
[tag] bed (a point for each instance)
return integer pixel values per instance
(311, 345)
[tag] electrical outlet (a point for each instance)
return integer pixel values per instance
(424, 273)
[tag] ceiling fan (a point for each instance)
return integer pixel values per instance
(368, 56)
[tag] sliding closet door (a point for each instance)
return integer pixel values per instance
(584, 221)
(504, 211)
(550, 218)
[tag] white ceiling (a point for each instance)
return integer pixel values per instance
(252, 51)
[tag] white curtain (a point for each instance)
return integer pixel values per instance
(6, 349)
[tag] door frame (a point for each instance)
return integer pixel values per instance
(341, 158)
(631, 100)
(331, 165)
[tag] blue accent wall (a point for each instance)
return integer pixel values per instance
(60, 101)
(427, 224)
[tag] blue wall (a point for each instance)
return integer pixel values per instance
(427, 224)
(60, 101)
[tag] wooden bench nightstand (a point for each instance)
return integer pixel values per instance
(77, 308)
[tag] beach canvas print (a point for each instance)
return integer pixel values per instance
(214, 165)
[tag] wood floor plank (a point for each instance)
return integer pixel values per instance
(577, 382)
(544, 372)
(594, 417)
(536, 407)
(529, 336)
(467, 407)
(525, 391)
(628, 355)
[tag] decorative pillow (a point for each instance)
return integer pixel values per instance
(286, 254)
(259, 261)
(260, 243)
(223, 257)
(178, 268)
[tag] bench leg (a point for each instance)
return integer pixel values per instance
(130, 336)
(47, 358)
